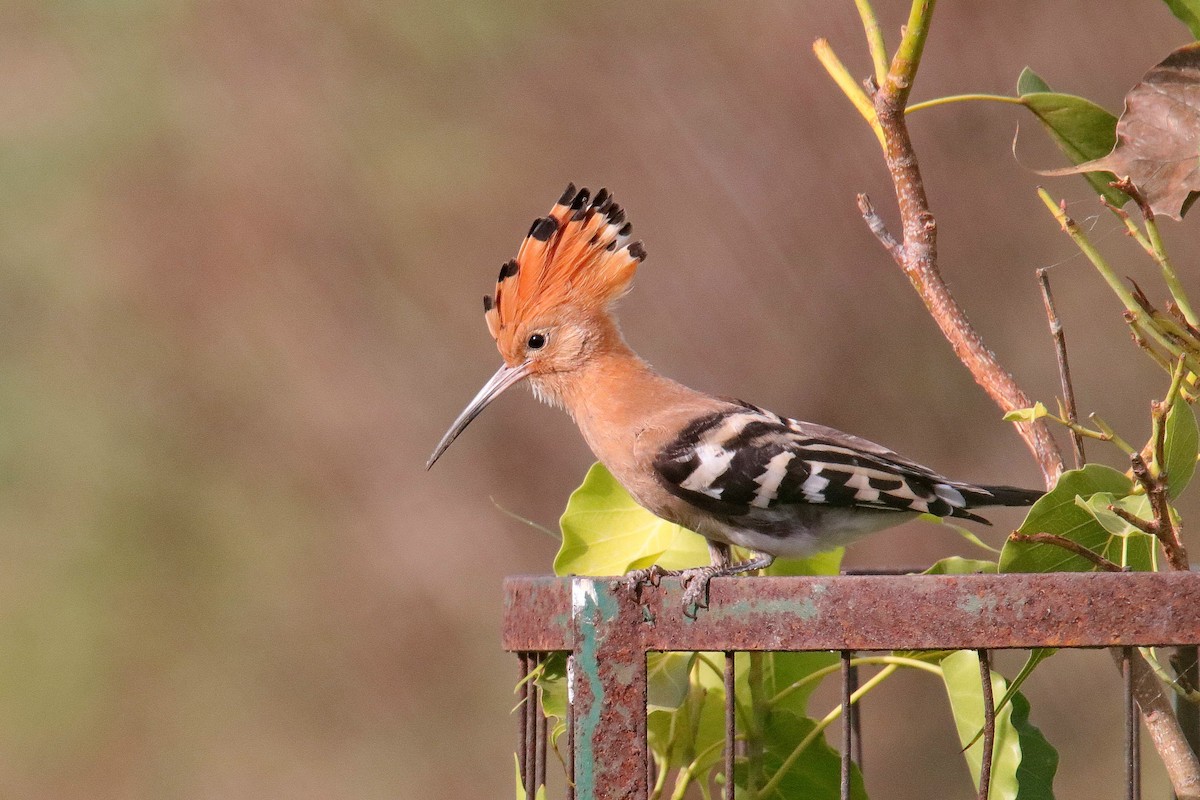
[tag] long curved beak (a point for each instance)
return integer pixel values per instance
(505, 377)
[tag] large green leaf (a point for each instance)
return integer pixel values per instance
(1082, 130)
(1023, 762)
(957, 565)
(667, 679)
(814, 775)
(1059, 513)
(1188, 11)
(551, 679)
(605, 532)
(1180, 446)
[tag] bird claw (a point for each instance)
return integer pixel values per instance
(650, 576)
(695, 589)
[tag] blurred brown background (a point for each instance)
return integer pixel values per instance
(242, 247)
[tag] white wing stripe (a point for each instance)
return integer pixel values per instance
(769, 481)
(714, 460)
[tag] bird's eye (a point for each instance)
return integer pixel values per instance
(536, 342)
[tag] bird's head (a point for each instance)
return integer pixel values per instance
(550, 313)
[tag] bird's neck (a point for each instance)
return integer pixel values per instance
(617, 399)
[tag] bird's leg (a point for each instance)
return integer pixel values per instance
(695, 581)
(634, 581)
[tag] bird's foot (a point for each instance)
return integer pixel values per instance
(650, 576)
(695, 581)
(695, 587)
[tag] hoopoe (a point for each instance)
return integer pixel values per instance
(730, 471)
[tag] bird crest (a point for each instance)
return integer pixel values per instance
(579, 255)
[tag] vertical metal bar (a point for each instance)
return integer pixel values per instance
(609, 686)
(539, 773)
(857, 749)
(847, 724)
(989, 724)
(531, 710)
(570, 731)
(1133, 759)
(730, 722)
(523, 721)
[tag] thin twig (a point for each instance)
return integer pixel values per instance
(1064, 367)
(1066, 544)
(853, 91)
(1157, 249)
(875, 41)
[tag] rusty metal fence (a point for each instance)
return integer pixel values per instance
(608, 631)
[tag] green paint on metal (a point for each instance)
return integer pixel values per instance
(977, 605)
(804, 608)
(591, 606)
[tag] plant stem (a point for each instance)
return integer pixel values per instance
(754, 733)
(908, 55)
(1064, 366)
(853, 91)
(824, 672)
(875, 42)
(1111, 435)
(1072, 229)
(962, 98)
(773, 784)
(1158, 251)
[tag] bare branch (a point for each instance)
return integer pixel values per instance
(1064, 368)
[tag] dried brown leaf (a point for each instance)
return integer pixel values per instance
(1158, 135)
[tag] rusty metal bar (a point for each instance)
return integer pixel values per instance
(522, 724)
(730, 722)
(609, 692)
(847, 723)
(989, 724)
(531, 730)
(910, 612)
(856, 750)
(1133, 756)
(540, 734)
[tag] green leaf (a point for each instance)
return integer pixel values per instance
(1027, 414)
(1029, 82)
(1082, 130)
(1180, 445)
(956, 565)
(551, 678)
(1036, 656)
(1023, 762)
(827, 563)
(1188, 11)
(667, 676)
(1126, 545)
(1058, 513)
(605, 532)
(816, 772)
(541, 792)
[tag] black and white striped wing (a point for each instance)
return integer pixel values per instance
(743, 460)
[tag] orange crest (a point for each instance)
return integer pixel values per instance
(580, 255)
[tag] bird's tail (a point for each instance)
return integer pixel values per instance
(1003, 496)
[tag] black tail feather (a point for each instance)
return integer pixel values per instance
(1005, 496)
